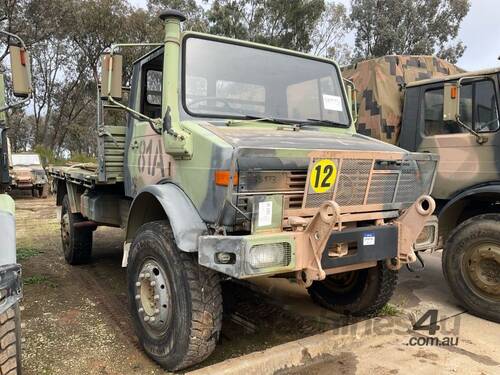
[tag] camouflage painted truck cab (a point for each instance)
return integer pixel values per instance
(239, 159)
(10, 270)
(431, 106)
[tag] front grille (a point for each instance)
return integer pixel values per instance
(352, 182)
(359, 182)
(370, 181)
(382, 188)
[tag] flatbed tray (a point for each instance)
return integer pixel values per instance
(81, 174)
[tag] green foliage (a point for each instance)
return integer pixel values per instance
(389, 310)
(81, 158)
(39, 280)
(48, 157)
(408, 27)
(24, 253)
(287, 24)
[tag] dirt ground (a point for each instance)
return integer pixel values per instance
(77, 318)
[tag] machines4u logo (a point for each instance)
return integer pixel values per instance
(448, 327)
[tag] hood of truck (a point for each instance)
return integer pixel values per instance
(312, 138)
(28, 173)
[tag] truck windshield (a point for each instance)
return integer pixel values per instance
(227, 80)
(25, 159)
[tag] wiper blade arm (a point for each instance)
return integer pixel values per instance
(319, 122)
(259, 119)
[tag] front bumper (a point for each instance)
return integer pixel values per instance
(321, 245)
(371, 243)
(11, 287)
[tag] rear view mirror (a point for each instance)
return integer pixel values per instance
(451, 102)
(20, 67)
(111, 66)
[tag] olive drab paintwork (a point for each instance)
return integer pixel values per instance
(247, 195)
(162, 156)
(380, 86)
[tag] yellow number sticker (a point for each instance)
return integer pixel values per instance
(323, 175)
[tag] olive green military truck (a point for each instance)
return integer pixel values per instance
(427, 105)
(27, 173)
(239, 160)
(10, 271)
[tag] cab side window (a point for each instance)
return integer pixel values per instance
(486, 115)
(433, 115)
(478, 109)
(152, 93)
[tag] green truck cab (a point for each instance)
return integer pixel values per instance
(429, 105)
(10, 270)
(239, 160)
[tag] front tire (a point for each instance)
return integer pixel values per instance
(471, 265)
(76, 242)
(358, 293)
(175, 303)
(10, 341)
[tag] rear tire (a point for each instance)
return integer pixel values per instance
(358, 293)
(10, 341)
(185, 299)
(76, 242)
(471, 265)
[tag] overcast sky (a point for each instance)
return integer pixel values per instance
(480, 31)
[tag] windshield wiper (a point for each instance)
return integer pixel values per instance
(259, 119)
(319, 122)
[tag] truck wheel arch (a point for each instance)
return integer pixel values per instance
(167, 201)
(471, 202)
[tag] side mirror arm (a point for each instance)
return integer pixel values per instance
(479, 138)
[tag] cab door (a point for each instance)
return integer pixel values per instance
(463, 161)
(147, 161)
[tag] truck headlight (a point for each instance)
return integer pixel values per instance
(269, 255)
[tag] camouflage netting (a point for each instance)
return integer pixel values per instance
(379, 84)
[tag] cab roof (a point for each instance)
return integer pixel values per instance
(454, 77)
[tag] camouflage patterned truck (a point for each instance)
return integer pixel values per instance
(239, 160)
(424, 104)
(10, 271)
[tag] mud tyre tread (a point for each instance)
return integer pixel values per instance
(10, 341)
(197, 301)
(462, 237)
(375, 289)
(79, 249)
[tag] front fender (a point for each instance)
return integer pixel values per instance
(167, 201)
(490, 189)
(451, 213)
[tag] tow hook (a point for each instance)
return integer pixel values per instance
(317, 233)
(410, 224)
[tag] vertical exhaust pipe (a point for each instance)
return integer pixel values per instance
(172, 20)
